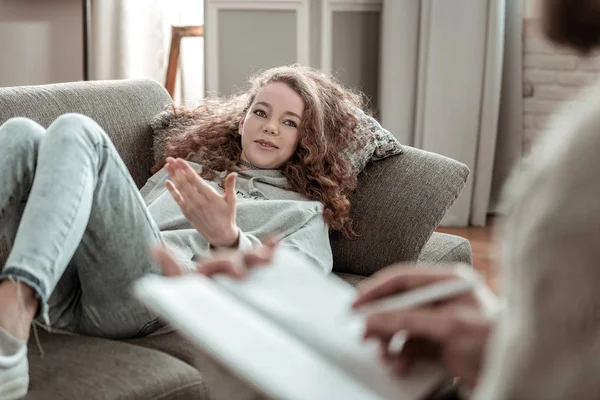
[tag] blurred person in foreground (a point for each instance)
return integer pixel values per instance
(545, 344)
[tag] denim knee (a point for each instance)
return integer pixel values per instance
(72, 127)
(21, 136)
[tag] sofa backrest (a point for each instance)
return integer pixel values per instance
(396, 208)
(124, 108)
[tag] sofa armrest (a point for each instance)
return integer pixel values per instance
(443, 248)
(398, 203)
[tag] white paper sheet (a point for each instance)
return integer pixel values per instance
(316, 309)
(286, 328)
(251, 346)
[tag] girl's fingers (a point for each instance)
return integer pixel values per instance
(176, 172)
(197, 183)
(188, 192)
(229, 188)
(167, 262)
(175, 193)
(187, 188)
(190, 184)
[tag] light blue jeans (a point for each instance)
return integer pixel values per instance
(78, 228)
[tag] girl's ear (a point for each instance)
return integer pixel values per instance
(241, 125)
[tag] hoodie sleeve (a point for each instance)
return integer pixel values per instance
(154, 187)
(311, 240)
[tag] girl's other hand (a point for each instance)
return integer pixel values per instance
(233, 263)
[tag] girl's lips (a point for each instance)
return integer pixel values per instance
(265, 147)
(265, 144)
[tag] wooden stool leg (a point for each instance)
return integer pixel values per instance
(173, 61)
(177, 33)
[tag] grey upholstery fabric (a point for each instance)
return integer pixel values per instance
(3, 250)
(440, 249)
(90, 368)
(123, 108)
(444, 248)
(221, 383)
(398, 204)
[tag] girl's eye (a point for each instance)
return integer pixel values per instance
(260, 113)
(291, 123)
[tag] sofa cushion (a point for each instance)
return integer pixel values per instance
(76, 367)
(222, 384)
(396, 207)
(443, 248)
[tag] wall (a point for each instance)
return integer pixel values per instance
(509, 143)
(554, 80)
(355, 51)
(240, 55)
(339, 36)
(42, 41)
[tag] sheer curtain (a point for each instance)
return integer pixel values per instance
(131, 38)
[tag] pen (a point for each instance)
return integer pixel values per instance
(420, 296)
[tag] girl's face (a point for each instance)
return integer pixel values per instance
(270, 128)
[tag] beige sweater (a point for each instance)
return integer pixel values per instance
(547, 345)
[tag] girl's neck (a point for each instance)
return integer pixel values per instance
(245, 165)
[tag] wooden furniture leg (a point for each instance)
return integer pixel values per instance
(177, 33)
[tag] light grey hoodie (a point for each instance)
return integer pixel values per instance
(264, 206)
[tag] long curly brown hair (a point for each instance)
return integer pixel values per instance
(319, 170)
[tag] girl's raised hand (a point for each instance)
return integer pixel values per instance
(210, 213)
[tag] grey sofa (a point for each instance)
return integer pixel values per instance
(396, 207)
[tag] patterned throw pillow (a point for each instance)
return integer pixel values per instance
(373, 143)
(165, 125)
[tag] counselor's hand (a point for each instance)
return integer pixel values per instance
(454, 331)
(236, 264)
(210, 213)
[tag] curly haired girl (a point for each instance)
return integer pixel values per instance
(267, 161)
